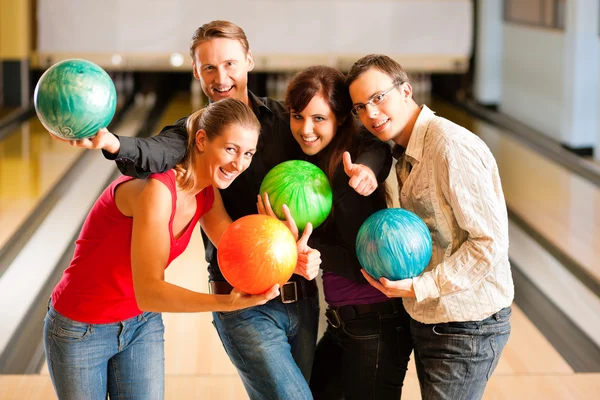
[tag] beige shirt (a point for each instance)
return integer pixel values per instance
(449, 178)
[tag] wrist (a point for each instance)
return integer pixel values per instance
(113, 146)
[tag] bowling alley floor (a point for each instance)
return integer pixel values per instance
(549, 198)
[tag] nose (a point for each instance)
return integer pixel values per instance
(307, 127)
(240, 163)
(221, 75)
(372, 110)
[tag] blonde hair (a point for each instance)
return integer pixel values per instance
(212, 119)
(218, 29)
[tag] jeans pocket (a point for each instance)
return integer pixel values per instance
(457, 329)
(70, 333)
(363, 328)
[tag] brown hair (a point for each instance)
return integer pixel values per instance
(218, 29)
(212, 119)
(329, 83)
(381, 62)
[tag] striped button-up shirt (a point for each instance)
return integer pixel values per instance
(449, 178)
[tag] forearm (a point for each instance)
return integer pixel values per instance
(138, 157)
(469, 265)
(163, 296)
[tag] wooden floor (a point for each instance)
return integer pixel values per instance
(530, 368)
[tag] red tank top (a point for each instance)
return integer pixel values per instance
(97, 287)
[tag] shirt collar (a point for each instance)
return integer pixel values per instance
(414, 150)
(258, 106)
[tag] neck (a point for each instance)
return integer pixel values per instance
(404, 136)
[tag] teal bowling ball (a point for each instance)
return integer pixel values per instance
(74, 99)
(303, 187)
(393, 243)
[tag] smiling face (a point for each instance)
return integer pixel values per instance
(226, 155)
(222, 66)
(315, 126)
(391, 119)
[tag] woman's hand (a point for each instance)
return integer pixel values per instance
(264, 208)
(241, 300)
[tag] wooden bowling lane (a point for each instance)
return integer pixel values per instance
(560, 205)
(31, 163)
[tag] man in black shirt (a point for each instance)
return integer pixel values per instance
(272, 346)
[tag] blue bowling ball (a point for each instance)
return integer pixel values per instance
(393, 243)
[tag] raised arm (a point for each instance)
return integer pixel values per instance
(139, 157)
(150, 247)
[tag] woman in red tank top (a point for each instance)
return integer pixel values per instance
(103, 332)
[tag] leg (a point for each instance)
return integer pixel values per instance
(303, 336)
(137, 372)
(257, 343)
(77, 356)
(326, 377)
(455, 360)
(376, 351)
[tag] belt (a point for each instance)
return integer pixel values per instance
(337, 316)
(297, 288)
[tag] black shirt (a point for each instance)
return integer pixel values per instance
(138, 157)
(336, 238)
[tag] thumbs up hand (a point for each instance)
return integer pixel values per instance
(309, 259)
(362, 179)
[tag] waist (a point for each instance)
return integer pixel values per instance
(337, 316)
(297, 288)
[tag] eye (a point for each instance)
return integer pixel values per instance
(297, 117)
(231, 64)
(319, 119)
(359, 108)
(378, 98)
(249, 154)
(231, 150)
(209, 68)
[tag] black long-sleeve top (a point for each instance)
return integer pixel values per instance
(138, 157)
(336, 238)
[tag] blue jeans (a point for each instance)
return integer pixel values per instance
(272, 346)
(455, 360)
(364, 356)
(124, 359)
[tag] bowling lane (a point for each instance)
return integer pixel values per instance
(4, 111)
(560, 205)
(31, 163)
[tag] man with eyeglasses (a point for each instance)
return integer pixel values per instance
(460, 304)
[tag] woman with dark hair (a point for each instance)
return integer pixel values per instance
(365, 350)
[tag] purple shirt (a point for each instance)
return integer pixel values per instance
(340, 291)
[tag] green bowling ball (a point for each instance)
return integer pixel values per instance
(74, 98)
(303, 187)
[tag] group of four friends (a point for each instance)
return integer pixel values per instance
(103, 332)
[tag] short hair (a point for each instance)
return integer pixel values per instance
(381, 62)
(218, 29)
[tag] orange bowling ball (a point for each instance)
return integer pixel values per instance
(256, 252)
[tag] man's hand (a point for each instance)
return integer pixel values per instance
(309, 259)
(401, 288)
(362, 179)
(104, 140)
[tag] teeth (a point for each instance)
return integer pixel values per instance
(221, 90)
(309, 139)
(227, 174)
(378, 124)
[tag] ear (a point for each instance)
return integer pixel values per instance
(195, 72)
(250, 60)
(406, 90)
(201, 139)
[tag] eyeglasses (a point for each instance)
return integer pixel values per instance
(375, 100)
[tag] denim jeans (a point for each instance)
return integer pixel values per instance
(365, 357)
(455, 360)
(272, 346)
(124, 359)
